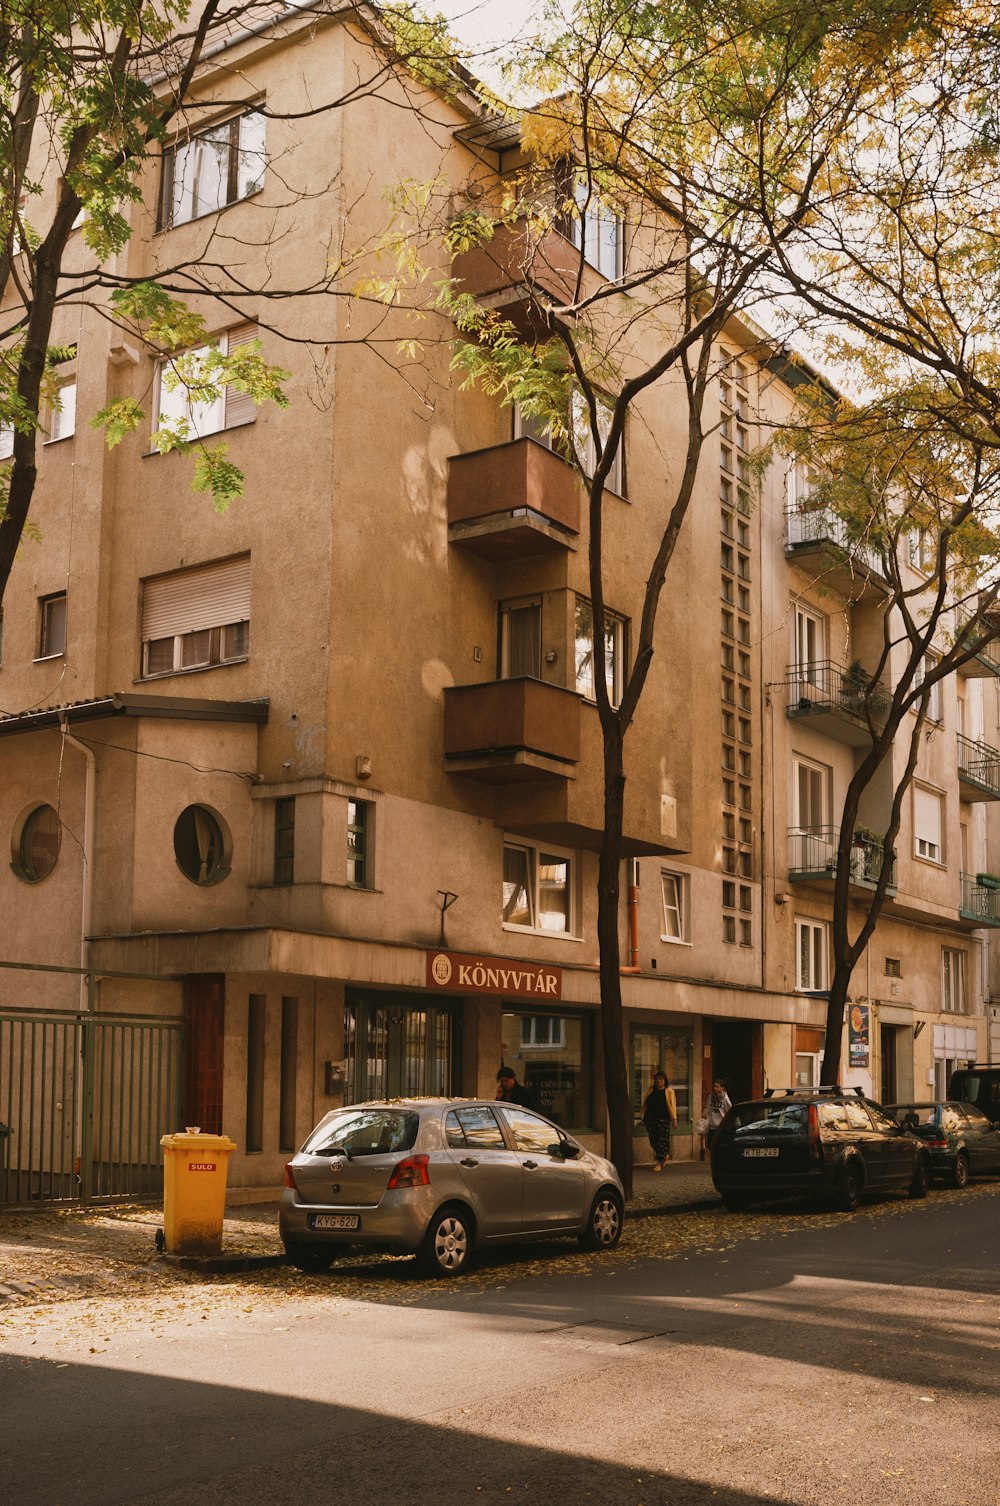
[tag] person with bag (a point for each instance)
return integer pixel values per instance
(717, 1106)
(659, 1115)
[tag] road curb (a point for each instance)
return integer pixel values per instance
(221, 1264)
(695, 1206)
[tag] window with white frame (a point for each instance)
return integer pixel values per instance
(675, 906)
(538, 889)
(923, 550)
(212, 168)
(590, 224)
(811, 954)
(52, 625)
(927, 664)
(196, 618)
(180, 412)
(62, 414)
(6, 441)
(542, 1032)
(521, 639)
(928, 824)
(527, 426)
(953, 996)
(810, 645)
(614, 652)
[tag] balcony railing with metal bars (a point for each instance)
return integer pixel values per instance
(812, 857)
(810, 526)
(980, 900)
(978, 769)
(822, 686)
(987, 657)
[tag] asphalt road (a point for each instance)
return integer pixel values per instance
(856, 1362)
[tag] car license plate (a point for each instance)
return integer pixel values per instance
(336, 1221)
(763, 1150)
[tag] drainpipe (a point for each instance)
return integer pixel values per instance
(86, 905)
(633, 916)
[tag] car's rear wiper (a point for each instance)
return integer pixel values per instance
(335, 1150)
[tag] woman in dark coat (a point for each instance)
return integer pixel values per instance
(659, 1115)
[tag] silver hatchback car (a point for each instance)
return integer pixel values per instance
(440, 1177)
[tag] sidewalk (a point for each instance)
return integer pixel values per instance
(69, 1250)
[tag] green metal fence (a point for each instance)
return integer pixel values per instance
(84, 1099)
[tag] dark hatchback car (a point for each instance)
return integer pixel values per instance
(980, 1085)
(962, 1141)
(830, 1143)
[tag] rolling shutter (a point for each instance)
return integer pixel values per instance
(188, 601)
(240, 406)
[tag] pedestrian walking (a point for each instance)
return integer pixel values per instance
(659, 1115)
(717, 1106)
(509, 1090)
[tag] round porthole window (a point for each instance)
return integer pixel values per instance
(202, 845)
(35, 844)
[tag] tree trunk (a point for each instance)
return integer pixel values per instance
(616, 1086)
(835, 1009)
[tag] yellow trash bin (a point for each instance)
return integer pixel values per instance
(194, 1191)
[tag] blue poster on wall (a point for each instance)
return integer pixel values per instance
(858, 1035)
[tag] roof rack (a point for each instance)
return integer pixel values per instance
(835, 1090)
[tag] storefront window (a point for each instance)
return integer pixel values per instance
(553, 1056)
(666, 1051)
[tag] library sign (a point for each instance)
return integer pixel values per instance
(462, 973)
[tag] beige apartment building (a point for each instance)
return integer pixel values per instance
(316, 784)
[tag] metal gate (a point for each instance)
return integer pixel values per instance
(84, 1099)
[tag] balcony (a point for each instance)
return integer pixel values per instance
(978, 770)
(818, 540)
(520, 272)
(512, 501)
(836, 701)
(812, 858)
(987, 659)
(980, 902)
(508, 731)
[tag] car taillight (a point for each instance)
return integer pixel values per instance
(290, 1176)
(410, 1173)
(936, 1144)
(813, 1133)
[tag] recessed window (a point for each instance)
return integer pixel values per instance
(893, 967)
(213, 168)
(926, 666)
(360, 834)
(591, 226)
(521, 639)
(614, 652)
(62, 414)
(953, 999)
(811, 952)
(284, 840)
(52, 625)
(535, 427)
(177, 410)
(675, 919)
(928, 825)
(202, 845)
(193, 619)
(538, 889)
(6, 441)
(35, 843)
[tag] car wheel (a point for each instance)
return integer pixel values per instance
(960, 1175)
(604, 1225)
(447, 1244)
(849, 1195)
(921, 1178)
(310, 1258)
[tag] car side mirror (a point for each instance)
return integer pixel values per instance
(566, 1149)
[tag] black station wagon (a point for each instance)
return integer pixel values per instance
(830, 1143)
(961, 1140)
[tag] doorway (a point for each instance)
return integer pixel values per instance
(737, 1057)
(888, 1083)
(399, 1046)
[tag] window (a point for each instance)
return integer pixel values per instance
(927, 825)
(211, 169)
(893, 967)
(553, 1056)
(6, 441)
(810, 795)
(179, 412)
(538, 889)
(359, 843)
(591, 226)
(675, 918)
(52, 625)
(526, 426)
(811, 951)
(473, 1129)
(953, 981)
(810, 646)
(668, 1051)
(528, 1132)
(521, 639)
(202, 845)
(62, 415)
(35, 845)
(928, 663)
(284, 840)
(614, 652)
(923, 551)
(193, 619)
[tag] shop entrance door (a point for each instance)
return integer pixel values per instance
(887, 1040)
(399, 1047)
(737, 1057)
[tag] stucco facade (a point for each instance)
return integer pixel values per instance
(361, 812)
